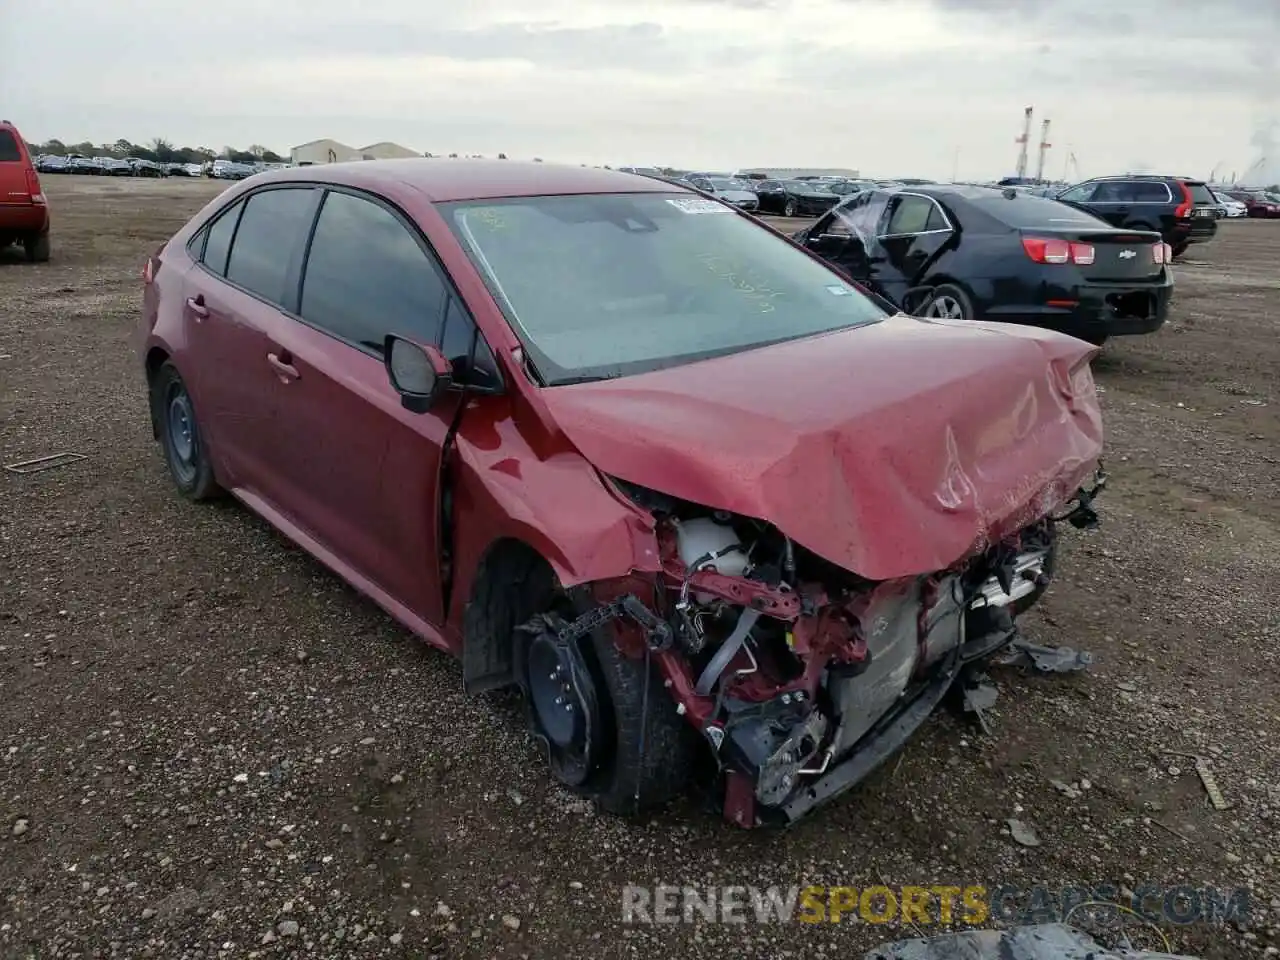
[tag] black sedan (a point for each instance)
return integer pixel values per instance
(979, 253)
(795, 198)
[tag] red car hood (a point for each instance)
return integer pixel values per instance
(891, 450)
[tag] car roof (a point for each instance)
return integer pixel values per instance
(443, 179)
(941, 191)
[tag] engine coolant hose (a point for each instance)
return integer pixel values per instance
(728, 650)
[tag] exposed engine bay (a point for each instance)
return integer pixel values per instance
(801, 676)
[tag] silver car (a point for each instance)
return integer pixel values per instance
(736, 192)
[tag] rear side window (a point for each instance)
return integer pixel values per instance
(1200, 192)
(1150, 191)
(218, 243)
(9, 150)
(272, 228)
(368, 276)
(910, 215)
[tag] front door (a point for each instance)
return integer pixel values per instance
(362, 472)
(846, 237)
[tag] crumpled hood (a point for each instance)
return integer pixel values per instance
(891, 449)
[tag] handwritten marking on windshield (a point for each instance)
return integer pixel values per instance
(760, 293)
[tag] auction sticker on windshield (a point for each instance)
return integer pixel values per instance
(697, 205)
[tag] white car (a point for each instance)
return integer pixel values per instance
(1232, 206)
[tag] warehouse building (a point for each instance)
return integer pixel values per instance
(334, 151)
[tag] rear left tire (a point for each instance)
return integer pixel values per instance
(184, 448)
(948, 302)
(37, 247)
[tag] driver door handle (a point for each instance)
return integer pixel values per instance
(282, 363)
(196, 306)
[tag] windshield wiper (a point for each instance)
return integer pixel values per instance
(592, 378)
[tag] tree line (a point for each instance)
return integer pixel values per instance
(160, 150)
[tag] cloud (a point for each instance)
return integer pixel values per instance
(882, 85)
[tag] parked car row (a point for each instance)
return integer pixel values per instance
(139, 167)
(1255, 203)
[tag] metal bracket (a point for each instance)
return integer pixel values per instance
(658, 632)
(45, 463)
(1046, 659)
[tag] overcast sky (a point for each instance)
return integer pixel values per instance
(891, 87)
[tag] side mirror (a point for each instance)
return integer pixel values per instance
(420, 374)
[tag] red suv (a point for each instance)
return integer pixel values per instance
(24, 213)
(706, 503)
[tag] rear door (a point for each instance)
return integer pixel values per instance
(915, 231)
(360, 472)
(238, 298)
(1113, 201)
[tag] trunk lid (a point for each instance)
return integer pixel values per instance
(891, 450)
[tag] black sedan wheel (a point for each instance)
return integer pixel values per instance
(789, 208)
(948, 302)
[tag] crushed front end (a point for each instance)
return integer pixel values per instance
(803, 677)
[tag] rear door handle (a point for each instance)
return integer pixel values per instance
(283, 366)
(196, 306)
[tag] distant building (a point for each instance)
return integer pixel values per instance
(386, 150)
(788, 173)
(333, 151)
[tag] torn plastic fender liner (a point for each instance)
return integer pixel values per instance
(892, 449)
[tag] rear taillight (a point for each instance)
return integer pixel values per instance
(1184, 208)
(149, 270)
(1162, 253)
(1043, 250)
(33, 186)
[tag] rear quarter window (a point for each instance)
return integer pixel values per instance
(1025, 211)
(10, 152)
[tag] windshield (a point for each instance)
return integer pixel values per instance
(604, 285)
(720, 183)
(812, 186)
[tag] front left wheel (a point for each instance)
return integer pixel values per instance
(184, 448)
(609, 724)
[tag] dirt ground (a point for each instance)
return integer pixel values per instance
(208, 743)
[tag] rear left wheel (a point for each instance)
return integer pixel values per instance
(180, 436)
(37, 247)
(789, 208)
(948, 302)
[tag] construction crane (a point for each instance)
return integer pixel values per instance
(1024, 140)
(1044, 150)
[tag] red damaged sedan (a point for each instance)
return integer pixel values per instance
(712, 508)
